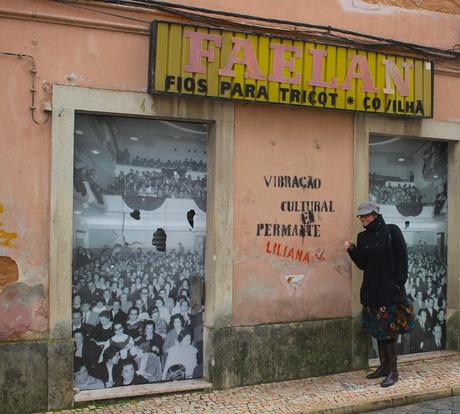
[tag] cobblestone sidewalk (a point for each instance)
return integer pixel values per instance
(340, 393)
(449, 405)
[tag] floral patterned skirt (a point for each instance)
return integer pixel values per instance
(387, 322)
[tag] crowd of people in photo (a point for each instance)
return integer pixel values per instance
(82, 175)
(440, 200)
(387, 190)
(125, 158)
(426, 289)
(132, 316)
(393, 190)
(172, 183)
(433, 156)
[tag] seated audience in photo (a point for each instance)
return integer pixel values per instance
(161, 327)
(147, 301)
(183, 353)
(109, 370)
(128, 374)
(175, 373)
(149, 336)
(435, 342)
(183, 308)
(148, 362)
(99, 307)
(125, 304)
(167, 300)
(104, 329)
(155, 184)
(420, 333)
(176, 326)
(431, 314)
(164, 312)
(133, 324)
(86, 350)
(120, 340)
(76, 303)
(83, 381)
(391, 194)
(107, 299)
(116, 314)
(155, 283)
(88, 316)
(95, 294)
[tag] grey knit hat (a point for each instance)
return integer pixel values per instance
(367, 208)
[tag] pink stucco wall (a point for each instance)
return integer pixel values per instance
(65, 55)
(269, 141)
(273, 141)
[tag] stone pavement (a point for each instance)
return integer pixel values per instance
(341, 393)
(449, 405)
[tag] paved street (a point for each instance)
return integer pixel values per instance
(341, 393)
(443, 406)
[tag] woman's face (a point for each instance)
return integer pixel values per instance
(149, 329)
(128, 373)
(366, 219)
(184, 306)
(104, 321)
(177, 324)
(118, 328)
(76, 301)
(155, 314)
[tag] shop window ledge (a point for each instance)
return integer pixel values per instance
(141, 390)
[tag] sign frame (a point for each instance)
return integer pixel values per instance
(154, 91)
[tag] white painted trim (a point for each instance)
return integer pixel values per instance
(139, 390)
(367, 124)
(219, 233)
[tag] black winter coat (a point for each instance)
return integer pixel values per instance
(381, 252)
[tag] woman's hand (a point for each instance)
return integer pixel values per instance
(348, 245)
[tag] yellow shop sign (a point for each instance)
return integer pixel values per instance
(215, 63)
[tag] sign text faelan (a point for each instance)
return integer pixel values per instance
(223, 64)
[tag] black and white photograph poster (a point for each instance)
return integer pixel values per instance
(140, 191)
(408, 178)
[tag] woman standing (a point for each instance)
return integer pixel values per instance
(382, 253)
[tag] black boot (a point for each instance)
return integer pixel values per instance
(382, 370)
(392, 357)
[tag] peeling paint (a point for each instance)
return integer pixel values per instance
(8, 272)
(6, 237)
(427, 7)
(294, 280)
(439, 6)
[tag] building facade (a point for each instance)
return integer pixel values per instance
(179, 179)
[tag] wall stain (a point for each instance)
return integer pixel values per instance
(22, 309)
(6, 237)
